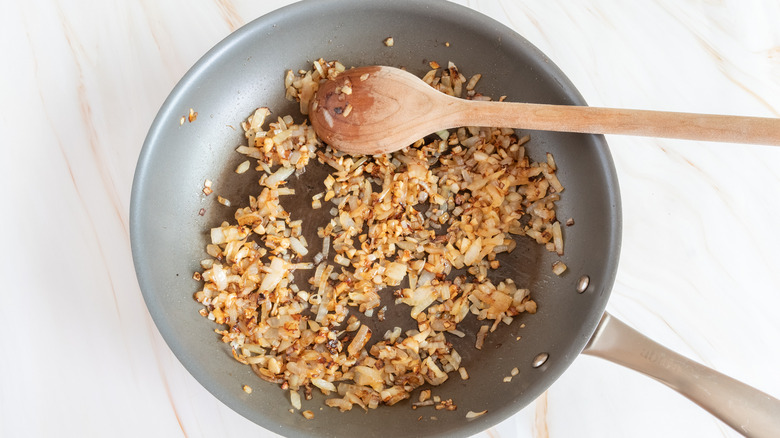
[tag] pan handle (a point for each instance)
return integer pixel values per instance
(744, 408)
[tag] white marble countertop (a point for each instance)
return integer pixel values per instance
(81, 82)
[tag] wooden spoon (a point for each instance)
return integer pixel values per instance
(374, 110)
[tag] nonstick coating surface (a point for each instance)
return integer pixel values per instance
(246, 71)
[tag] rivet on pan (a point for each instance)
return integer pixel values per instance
(540, 359)
(582, 284)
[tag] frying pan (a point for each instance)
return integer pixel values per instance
(170, 218)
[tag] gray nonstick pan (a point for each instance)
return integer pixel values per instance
(170, 218)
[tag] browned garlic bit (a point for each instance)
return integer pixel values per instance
(207, 190)
(223, 201)
(406, 221)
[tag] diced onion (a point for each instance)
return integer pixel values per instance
(472, 415)
(443, 213)
(280, 175)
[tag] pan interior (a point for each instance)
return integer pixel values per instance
(246, 71)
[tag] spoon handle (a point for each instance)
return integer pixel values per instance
(591, 120)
